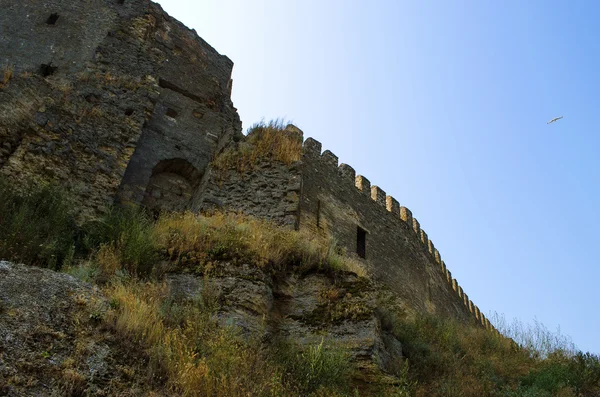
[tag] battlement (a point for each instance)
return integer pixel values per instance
(346, 175)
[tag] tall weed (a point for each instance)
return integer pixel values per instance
(124, 238)
(36, 226)
(265, 142)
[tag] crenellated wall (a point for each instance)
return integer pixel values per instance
(337, 202)
(115, 100)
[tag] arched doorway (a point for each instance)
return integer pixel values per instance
(171, 185)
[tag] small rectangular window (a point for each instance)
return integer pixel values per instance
(361, 242)
(52, 19)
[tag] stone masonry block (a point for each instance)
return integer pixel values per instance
(347, 172)
(329, 158)
(363, 185)
(416, 227)
(437, 256)
(312, 147)
(392, 205)
(378, 195)
(430, 247)
(406, 215)
(424, 238)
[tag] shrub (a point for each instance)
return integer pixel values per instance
(37, 226)
(317, 367)
(123, 239)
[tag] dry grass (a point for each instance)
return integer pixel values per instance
(7, 75)
(196, 357)
(199, 242)
(265, 142)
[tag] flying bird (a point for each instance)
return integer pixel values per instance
(554, 119)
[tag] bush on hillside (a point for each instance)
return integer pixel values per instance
(36, 226)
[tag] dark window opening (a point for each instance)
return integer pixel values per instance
(319, 213)
(120, 1)
(172, 113)
(52, 19)
(128, 112)
(47, 70)
(361, 242)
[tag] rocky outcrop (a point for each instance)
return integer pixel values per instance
(53, 342)
(54, 339)
(305, 309)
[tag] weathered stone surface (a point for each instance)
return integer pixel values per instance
(131, 91)
(243, 294)
(394, 254)
(271, 190)
(48, 338)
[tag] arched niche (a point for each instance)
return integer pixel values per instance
(171, 185)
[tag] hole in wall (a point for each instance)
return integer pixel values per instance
(121, 2)
(47, 70)
(128, 112)
(361, 242)
(52, 19)
(172, 113)
(92, 98)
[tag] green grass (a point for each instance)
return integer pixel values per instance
(123, 239)
(446, 358)
(36, 227)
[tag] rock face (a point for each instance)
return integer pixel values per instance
(113, 99)
(302, 308)
(51, 342)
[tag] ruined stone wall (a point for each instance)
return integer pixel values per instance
(271, 190)
(108, 98)
(336, 202)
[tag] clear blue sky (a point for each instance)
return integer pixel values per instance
(444, 105)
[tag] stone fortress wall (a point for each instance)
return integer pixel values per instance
(118, 102)
(335, 201)
(328, 199)
(113, 99)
